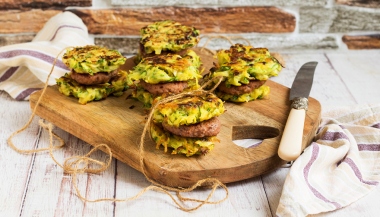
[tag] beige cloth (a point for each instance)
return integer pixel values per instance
(339, 168)
(24, 67)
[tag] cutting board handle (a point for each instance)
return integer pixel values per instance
(291, 142)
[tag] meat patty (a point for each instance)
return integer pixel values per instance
(98, 78)
(206, 128)
(160, 88)
(238, 90)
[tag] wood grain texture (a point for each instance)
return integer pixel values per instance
(15, 168)
(358, 74)
(128, 21)
(110, 122)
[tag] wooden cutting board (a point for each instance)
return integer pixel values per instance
(119, 122)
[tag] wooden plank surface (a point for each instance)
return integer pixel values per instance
(252, 197)
(15, 168)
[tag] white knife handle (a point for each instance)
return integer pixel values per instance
(291, 141)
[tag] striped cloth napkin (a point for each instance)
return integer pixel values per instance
(24, 67)
(340, 167)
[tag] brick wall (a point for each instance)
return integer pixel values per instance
(278, 25)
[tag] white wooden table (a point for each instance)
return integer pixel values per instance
(33, 185)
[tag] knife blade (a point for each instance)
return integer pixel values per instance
(291, 141)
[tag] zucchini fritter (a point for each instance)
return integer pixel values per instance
(180, 124)
(258, 93)
(92, 59)
(87, 93)
(182, 145)
(168, 35)
(241, 65)
(159, 73)
(189, 110)
(167, 68)
(94, 73)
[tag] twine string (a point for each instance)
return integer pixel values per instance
(27, 124)
(82, 164)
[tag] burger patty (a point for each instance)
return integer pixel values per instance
(98, 78)
(160, 88)
(206, 128)
(238, 90)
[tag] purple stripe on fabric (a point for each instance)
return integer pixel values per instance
(64, 26)
(306, 170)
(35, 54)
(332, 136)
(357, 172)
(369, 147)
(376, 125)
(25, 93)
(8, 73)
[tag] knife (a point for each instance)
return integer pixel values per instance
(291, 142)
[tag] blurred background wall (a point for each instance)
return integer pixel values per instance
(291, 25)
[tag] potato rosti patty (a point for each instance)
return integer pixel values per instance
(206, 128)
(168, 36)
(92, 59)
(238, 90)
(181, 145)
(189, 110)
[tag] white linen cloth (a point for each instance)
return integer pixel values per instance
(24, 67)
(339, 168)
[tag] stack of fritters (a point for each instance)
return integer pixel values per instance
(165, 65)
(94, 73)
(244, 70)
(188, 125)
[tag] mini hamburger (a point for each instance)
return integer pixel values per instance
(188, 125)
(159, 76)
(167, 37)
(94, 73)
(244, 70)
